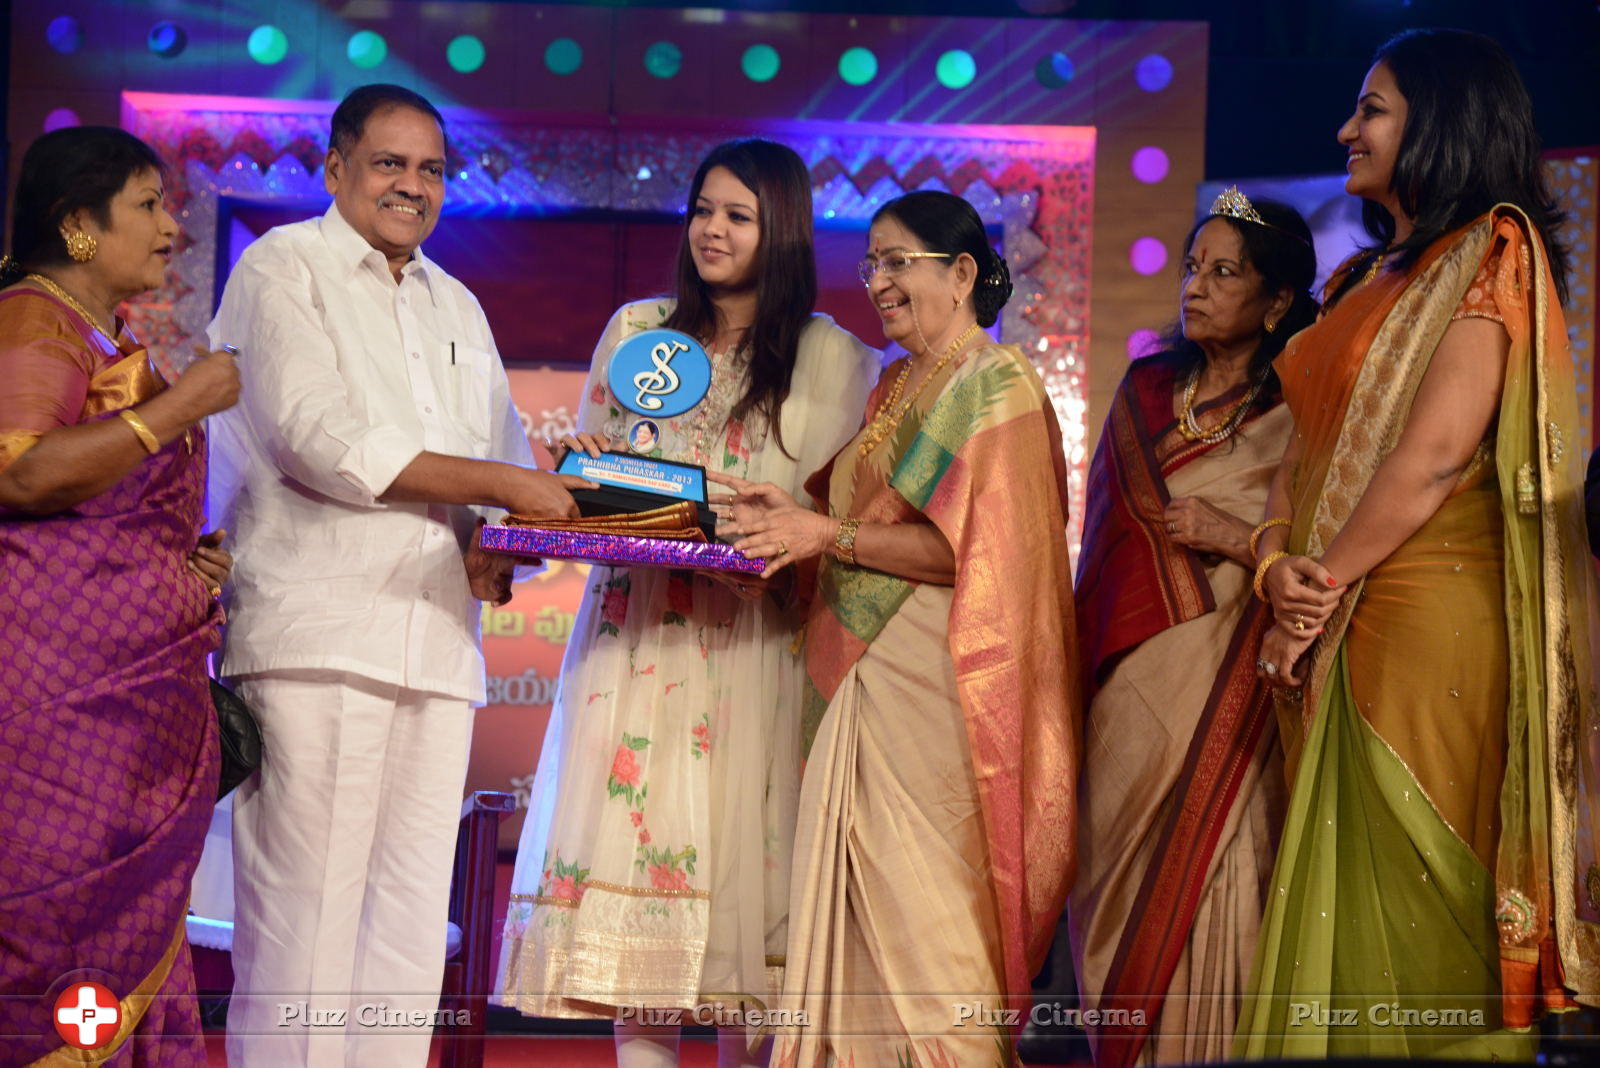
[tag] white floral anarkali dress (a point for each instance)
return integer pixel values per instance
(654, 864)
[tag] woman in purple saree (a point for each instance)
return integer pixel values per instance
(108, 750)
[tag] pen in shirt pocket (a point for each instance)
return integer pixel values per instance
(452, 354)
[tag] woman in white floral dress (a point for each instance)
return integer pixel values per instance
(653, 871)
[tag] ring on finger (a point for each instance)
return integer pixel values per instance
(783, 548)
(1299, 621)
(1172, 526)
(1272, 669)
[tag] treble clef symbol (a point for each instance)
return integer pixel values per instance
(661, 381)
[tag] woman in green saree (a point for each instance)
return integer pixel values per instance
(1436, 886)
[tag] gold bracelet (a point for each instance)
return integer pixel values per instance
(1262, 569)
(844, 542)
(151, 443)
(1255, 535)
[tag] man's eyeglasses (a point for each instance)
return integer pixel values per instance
(893, 263)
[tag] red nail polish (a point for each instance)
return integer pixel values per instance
(1332, 582)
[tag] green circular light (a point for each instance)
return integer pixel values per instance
(465, 53)
(858, 66)
(663, 59)
(760, 63)
(367, 49)
(956, 69)
(267, 45)
(563, 56)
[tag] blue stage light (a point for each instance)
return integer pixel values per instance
(167, 39)
(858, 66)
(956, 69)
(267, 45)
(563, 56)
(663, 59)
(367, 49)
(465, 54)
(1054, 71)
(65, 34)
(760, 63)
(1154, 73)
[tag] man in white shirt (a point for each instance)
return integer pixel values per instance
(374, 416)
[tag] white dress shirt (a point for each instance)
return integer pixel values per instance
(346, 378)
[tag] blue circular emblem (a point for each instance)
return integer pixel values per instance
(659, 373)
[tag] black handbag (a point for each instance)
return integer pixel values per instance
(239, 736)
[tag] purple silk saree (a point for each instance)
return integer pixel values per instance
(108, 754)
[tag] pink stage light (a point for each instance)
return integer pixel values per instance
(1147, 255)
(1150, 164)
(60, 119)
(1143, 342)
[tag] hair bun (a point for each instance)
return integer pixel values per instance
(992, 291)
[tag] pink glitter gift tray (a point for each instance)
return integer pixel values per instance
(618, 550)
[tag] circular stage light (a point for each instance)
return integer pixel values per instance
(1147, 255)
(760, 63)
(956, 69)
(465, 54)
(367, 49)
(1154, 73)
(1150, 164)
(663, 59)
(267, 45)
(1054, 71)
(563, 56)
(1143, 342)
(65, 34)
(60, 119)
(167, 39)
(858, 66)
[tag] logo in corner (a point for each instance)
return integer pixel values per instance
(87, 1015)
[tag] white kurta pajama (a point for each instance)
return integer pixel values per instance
(654, 864)
(353, 634)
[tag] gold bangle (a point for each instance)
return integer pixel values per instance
(844, 542)
(1255, 535)
(151, 443)
(1262, 569)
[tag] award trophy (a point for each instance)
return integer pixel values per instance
(646, 511)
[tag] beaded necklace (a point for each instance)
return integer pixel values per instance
(1190, 427)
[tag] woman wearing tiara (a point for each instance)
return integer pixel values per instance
(934, 845)
(1437, 880)
(1182, 781)
(653, 870)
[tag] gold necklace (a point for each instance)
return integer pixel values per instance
(1190, 427)
(70, 301)
(888, 418)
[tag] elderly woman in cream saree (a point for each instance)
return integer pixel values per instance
(934, 841)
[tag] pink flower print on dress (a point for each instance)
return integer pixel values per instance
(625, 767)
(680, 600)
(565, 888)
(636, 817)
(701, 744)
(735, 450)
(644, 836)
(614, 608)
(624, 780)
(664, 877)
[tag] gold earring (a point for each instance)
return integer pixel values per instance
(959, 302)
(1271, 327)
(81, 246)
